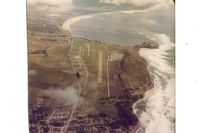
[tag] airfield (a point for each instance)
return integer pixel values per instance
(106, 80)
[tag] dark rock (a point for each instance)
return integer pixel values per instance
(148, 44)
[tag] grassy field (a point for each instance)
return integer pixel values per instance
(128, 72)
(52, 70)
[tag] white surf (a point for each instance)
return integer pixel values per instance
(159, 113)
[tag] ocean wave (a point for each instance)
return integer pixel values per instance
(158, 116)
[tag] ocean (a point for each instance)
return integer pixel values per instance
(128, 27)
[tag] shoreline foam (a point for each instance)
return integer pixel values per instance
(160, 106)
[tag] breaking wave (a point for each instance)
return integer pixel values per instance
(158, 114)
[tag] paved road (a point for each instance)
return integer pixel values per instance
(86, 81)
(107, 68)
(88, 44)
(100, 67)
(70, 118)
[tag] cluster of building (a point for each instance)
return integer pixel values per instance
(44, 119)
(94, 122)
(59, 118)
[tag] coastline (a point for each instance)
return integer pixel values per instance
(147, 94)
(163, 90)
